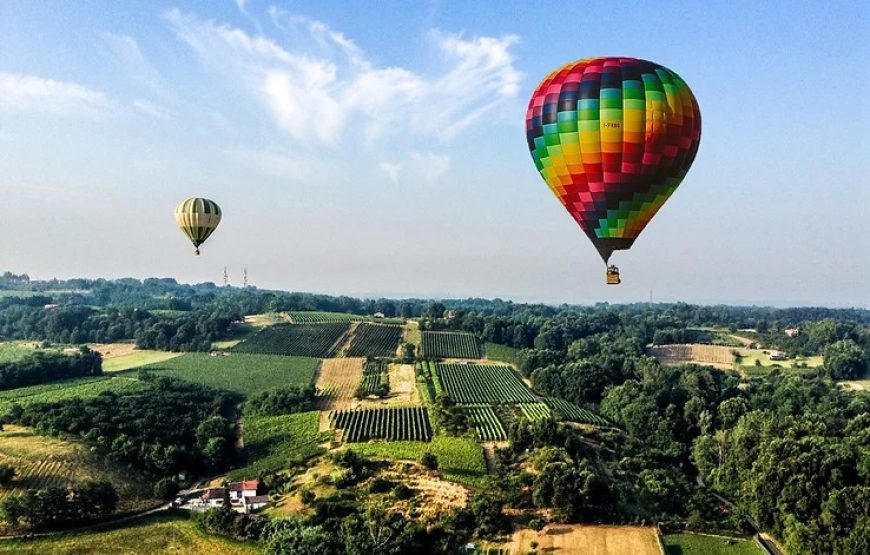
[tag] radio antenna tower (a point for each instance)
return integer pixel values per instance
(226, 278)
(245, 282)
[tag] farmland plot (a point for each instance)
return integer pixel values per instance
(243, 373)
(42, 461)
(310, 340)
(534, 411)
(713, 355)
(565, 410)
(337, 382)
(375, 340)
(449, 344)
(485, 423)
(393, 424)
(278, 442)
(483, 384)
(76, 388)
(375, 378)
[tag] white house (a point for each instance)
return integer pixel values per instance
(213, 497)
(240, 490)
(255, 502)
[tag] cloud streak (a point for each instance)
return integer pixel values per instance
(30, 93)
(327, 88)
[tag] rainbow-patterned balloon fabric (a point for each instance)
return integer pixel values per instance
(613, 138)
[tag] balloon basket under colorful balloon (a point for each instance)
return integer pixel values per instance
(613, 276)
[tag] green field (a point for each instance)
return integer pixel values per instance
(483, 384)
(171, 533)
(136, 359)
(749, 356)
(485, 423)
(242, 373)
(12, 351)
(320, 317)
(503, 353)
(42, 461)
(372, 340)
(67, 389)
(460, 459)
(307, 340)
(392, 424)
(450, 344)
(278, 442)
(696, 544)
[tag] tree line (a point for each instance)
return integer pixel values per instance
(44, 366)
(164, 428)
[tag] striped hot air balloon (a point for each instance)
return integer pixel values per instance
(198, 218)
(613, 138)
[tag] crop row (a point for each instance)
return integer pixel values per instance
(375, 340)
(535, 411)
(308, 340)
(448, 344)
(485, 422)
(483, 384)
(393, 424)
(375, 378)
(569, 411)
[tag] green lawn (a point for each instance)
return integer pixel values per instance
(503, 353)
(164, 534)
(11, 351)
(136, 359)
(696, 544)
(244, 373)
(459, 458)
(278, 442)
(749, 356)
(66, 389)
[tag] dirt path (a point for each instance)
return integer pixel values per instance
(489, 458)
(345, 341)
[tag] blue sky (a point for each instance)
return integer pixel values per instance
(380, 150)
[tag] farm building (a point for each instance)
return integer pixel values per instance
(239, 492)
(246, 488)
(792, 332)
(255, 502)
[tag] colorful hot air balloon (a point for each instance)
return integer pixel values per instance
(613, 138)
(198, 218)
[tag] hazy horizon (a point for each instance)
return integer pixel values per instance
(382, 153)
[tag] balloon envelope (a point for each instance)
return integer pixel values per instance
(197, 218)
(613, 138)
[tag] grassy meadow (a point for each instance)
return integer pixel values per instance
(67, 389)
(42, 461)
(277, 442)
(136, 359)
(165, 534)
(697, 544)
(459, 458)
(243, 373)
(503, 353)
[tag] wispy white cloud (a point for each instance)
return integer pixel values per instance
(392, 169)
(127, 50)
(30, 93)
(326, 86)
